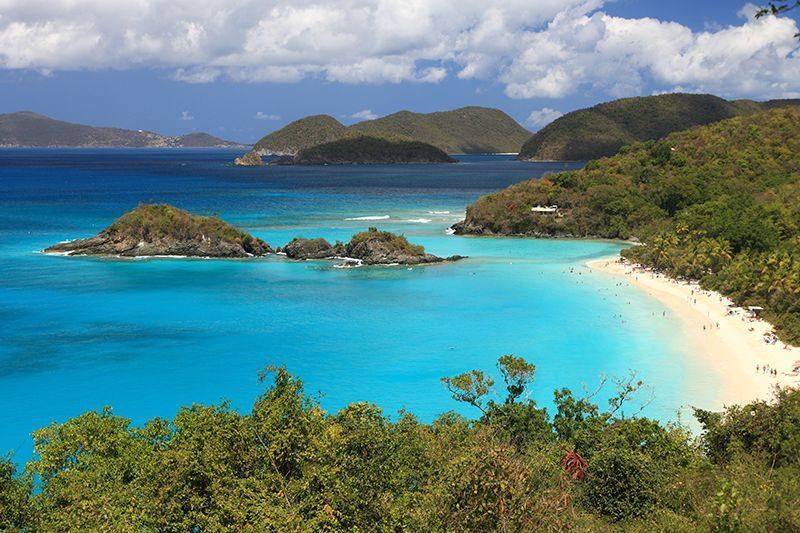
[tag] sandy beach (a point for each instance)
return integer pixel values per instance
(732, 344)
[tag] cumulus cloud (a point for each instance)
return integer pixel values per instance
(185, 115)
(542, 49)
(263, 116)
(364, 114)
(542, 117)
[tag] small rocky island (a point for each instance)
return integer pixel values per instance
(368, 150)
(164, 230)
(371, 247)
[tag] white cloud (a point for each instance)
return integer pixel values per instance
(542, 117)
(186, 116)
(263, 116)
(541, 49)
(364, 114)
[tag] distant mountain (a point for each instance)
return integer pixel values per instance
(303, 133)
(464, 130)
(602, 130)
(369, 150)
(25, 129)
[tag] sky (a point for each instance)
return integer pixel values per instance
(240, 69)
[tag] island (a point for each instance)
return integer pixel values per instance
(468, 130)
(165, 230)
(371, 247)
(368, 150)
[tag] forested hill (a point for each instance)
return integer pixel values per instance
(601, 130)
(719, 203)
(288, 465)
(27, 129)
(464, 130)
(367, 150)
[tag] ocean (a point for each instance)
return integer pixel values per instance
(149, 336)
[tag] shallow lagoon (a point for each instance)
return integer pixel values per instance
(146, 336)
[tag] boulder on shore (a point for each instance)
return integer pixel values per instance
(164, 230)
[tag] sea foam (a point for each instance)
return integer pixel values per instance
(372, 217)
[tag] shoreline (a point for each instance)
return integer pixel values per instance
(730, 345)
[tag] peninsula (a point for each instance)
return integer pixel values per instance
(715, 203)
(371, 247)
(26, 129)
(164, 230)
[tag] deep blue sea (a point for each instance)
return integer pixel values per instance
(147, 336)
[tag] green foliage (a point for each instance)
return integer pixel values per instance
(153, 222)
(392, 241)
(14, 497)
(289, 466)
(371, 150)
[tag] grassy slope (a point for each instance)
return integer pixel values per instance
(160, 221)
(603, 129)
(303, 133)
(464, 130)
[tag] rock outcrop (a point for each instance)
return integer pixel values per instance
(250, 159)
(299, 248)
(371, 247)
(164, 230)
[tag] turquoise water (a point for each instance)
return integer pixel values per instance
(147, 336)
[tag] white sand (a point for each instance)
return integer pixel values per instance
(732, 349)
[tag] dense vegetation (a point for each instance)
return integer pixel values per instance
(31, 129)
(391, 240)
(463, 130)
(718, 203)
(287, 465)
(371, 150)
(602, 130)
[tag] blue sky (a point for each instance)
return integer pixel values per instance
(197, 65)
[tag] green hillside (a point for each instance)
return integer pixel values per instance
(601, 130)
(719, 203)
(31, 129)
(463, 130)
(365, 150)
(303, 133)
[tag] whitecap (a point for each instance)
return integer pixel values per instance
(450, 231)
(372, 217)
(419, 220)
(439, 212)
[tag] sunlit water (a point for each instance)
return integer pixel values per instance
(147, 336)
